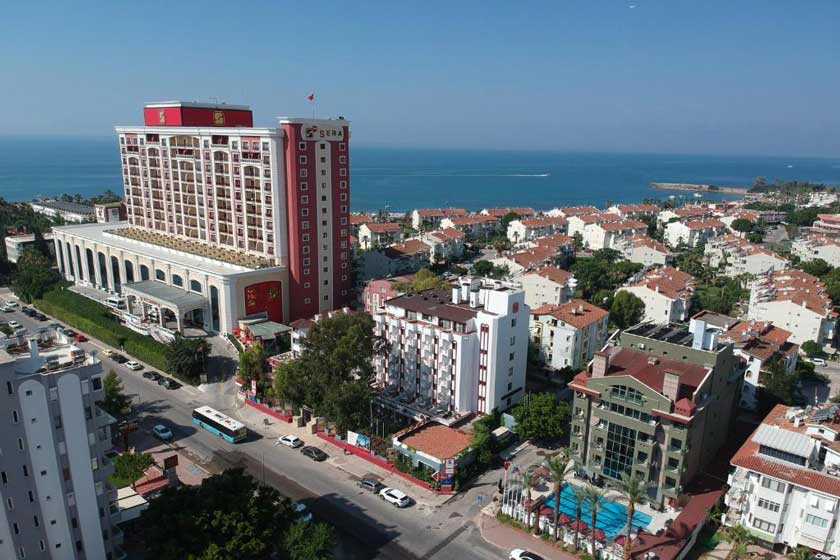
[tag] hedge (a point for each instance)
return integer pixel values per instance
(96, 320)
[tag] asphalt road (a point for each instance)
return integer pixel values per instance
(367, 526)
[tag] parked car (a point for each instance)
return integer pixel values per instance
(134, 366)
(314, 453)
(5, 308)
(109, 353)
(14, 324)
(371, 485)
(290, 441)
(167, 383)
(11, 304)
(395, 497)
(151, 374)
(818, 361)
(55, 326)
(522, 554)
(40, 316)
(162, 432)
(119, 358)
(79, 337)
(302, 512)
(28, 311)
(69, 333)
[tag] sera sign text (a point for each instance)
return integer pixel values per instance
(321, 132)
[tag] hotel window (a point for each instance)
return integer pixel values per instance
(245, 145)
(304, 186)
(265, 146)
(342, 184)
(303, 173)
(306, 261)
(323, 146)
(323, 159)
(302, 160)
(342, 159)
(816, 521)
(234, 145)
(342, 172)
(304, 199)
(305, 237)
(323, 210)
(344, 277)
(307, 300)
(344, 292)
(768, 505)
(307, 284)
(304, 212)
(323, 172)
(306, 252)
(773, 485)
(342, 197)
(304, 224)
(343, 221)
(306, 272)
(301, 145)
(342, 147)
(765, 526)
(344, 208)
(343, 233)
(344, 265)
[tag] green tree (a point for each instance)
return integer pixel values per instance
(779, 386)
(482, 268)
(559, 467)
(800, 553)
(116, 402)
(593, 495)
(34, 276)
(740, 538)
(541, 416)
(578, 497)
(423, 280)
(187, 357)
(633, 490)
(742, 225)
(129, 468)
(252, 362)
(578, 238)
(309, 541)
(229, 515)
(626, 310)
(816, 267)
(811, 348)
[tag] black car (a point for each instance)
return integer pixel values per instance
(167, 383)
(40, 316)
(314, 453)
(151, 374)
(69, 333)
(28, 311)
(371, 485)
(119, 358)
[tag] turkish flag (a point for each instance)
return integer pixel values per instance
(311, 97)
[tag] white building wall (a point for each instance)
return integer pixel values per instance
(541, 291)
(659, 308)
(803, 323)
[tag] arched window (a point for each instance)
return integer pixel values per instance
(177, 280)
(129, 271)
(144, 272)
(195, 286)
(214, 308)
(160, 275)
(70, 262)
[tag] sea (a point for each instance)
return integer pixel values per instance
(400, 179)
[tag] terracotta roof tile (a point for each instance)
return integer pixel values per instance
(436, 440)
(576, 312)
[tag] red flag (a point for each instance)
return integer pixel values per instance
(311, 97)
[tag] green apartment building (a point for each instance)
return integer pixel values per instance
(657, 402)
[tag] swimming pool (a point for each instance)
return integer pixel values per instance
(611, 517)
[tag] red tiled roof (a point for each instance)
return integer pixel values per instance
(598, 218)
(623, 225)
(556, 241)
(829, 217)
(636, 364)
(452, 232)
(689, 211)
(634, 208)
(437, 440)
(553, 273)
(651, 243)
(384, 227)
(669, 281)
(704, 224)
(430, 212)
(578, 210)
(302, 324)
(534, 256)
(408, 247)
(545, 221)
(576, 312)
(798, 287)
(501, 212)
(359, 219)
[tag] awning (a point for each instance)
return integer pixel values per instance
(267, 329)
(158, 293)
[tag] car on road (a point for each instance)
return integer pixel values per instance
(40, 316)
(314, 453)
(10, 304)
(371, 485)
(79, 337)
(522, 554)
(167, 383)
(108, 352)
(302, 512)
(290, 441)
(69, 333)
(162, 432)
(151, 374)
(119, 358)
(5, 308)
(28, 311)
(818, 361)
(55, 326)
(395, 497)
(134, 366)
(14, 324)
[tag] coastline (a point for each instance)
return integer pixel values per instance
(741, 191)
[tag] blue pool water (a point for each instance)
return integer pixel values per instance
(610, 518)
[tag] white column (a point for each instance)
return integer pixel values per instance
(90, 275)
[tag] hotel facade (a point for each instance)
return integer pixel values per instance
(224, 220)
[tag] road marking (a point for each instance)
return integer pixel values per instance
(442, 544)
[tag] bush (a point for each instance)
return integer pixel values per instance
(96, 321)
(129, 467)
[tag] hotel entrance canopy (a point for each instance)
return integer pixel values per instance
(161, 295)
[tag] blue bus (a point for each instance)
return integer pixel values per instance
(217, 423)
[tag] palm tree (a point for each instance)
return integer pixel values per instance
(799, 553)
(559, 466)
(740, 539)
(593, 495)
(527, 480)
(578, 497)
(633, 490)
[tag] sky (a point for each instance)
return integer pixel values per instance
(755, 77)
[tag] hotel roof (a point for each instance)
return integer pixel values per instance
(576, 312)
(704, 224)
(623, 225)
(690, 211)
(408, 247)
(578, 210)
(543, 221)
(383, 227)
(634, 208)
(669, 281)
(437, 303)
(433, 212)
(798, 287)
(553, 273)
(436, 440)
(649, 242)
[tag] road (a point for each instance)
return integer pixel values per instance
(367, 526)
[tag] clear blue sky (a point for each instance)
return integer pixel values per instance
(699, 76)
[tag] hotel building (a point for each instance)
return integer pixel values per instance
(56, 501)
(264, 210)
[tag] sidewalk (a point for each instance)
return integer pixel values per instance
(507, 538)
(355, 467)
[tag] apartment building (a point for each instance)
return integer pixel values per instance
(110, 212)
(683, 213)
(693, 232)
(739, 214)
(828, 224)
(612, 235)
(474, 227)
(521, 211)
(446, 244)
(634, 211)
(785, 487)
(375, 235)
(403, 258)
(657, 403)
(525, 229)
(547, 285)
(380, 290)
(817, 246)
(569, 211)
(666, 293)
(454, 352)
(580, 223)
(202, 184)
(568, 334)
(797, 302)
(56, 500)
(67, 211)
(760, 345)
(423, 219)
(646, 251)
(530, 259)
(737, 256)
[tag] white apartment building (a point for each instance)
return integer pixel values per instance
(423, 219)
(501, 212)
(739, 214)
(797, 302)
(569, 334)
(683, 213)
(475, 226)
(666, 293)
(785, 488)
(738, 256)
(373, 235)
(692, 232)
(812, 247)
(569, 211)
(828, 224)
(646, 251)
(446, 244)
(547, 285)
(580, 223)
(56, 500)
(634, 211)
(526, 229)
(68, 211)
(820, 199)
(454, 352)
(612, 235)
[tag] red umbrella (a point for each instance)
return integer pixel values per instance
(563, 519)
(599, 535)
(579, 525)
(619, 540)
(546, 511)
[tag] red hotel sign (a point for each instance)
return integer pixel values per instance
(265, 296)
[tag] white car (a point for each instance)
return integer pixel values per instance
(815, 361)
(162, 432)
(14, 324)
(133, 366)
(303, 513)
(522, 554)
(11, 304)
(290, 441)
(395, 497)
